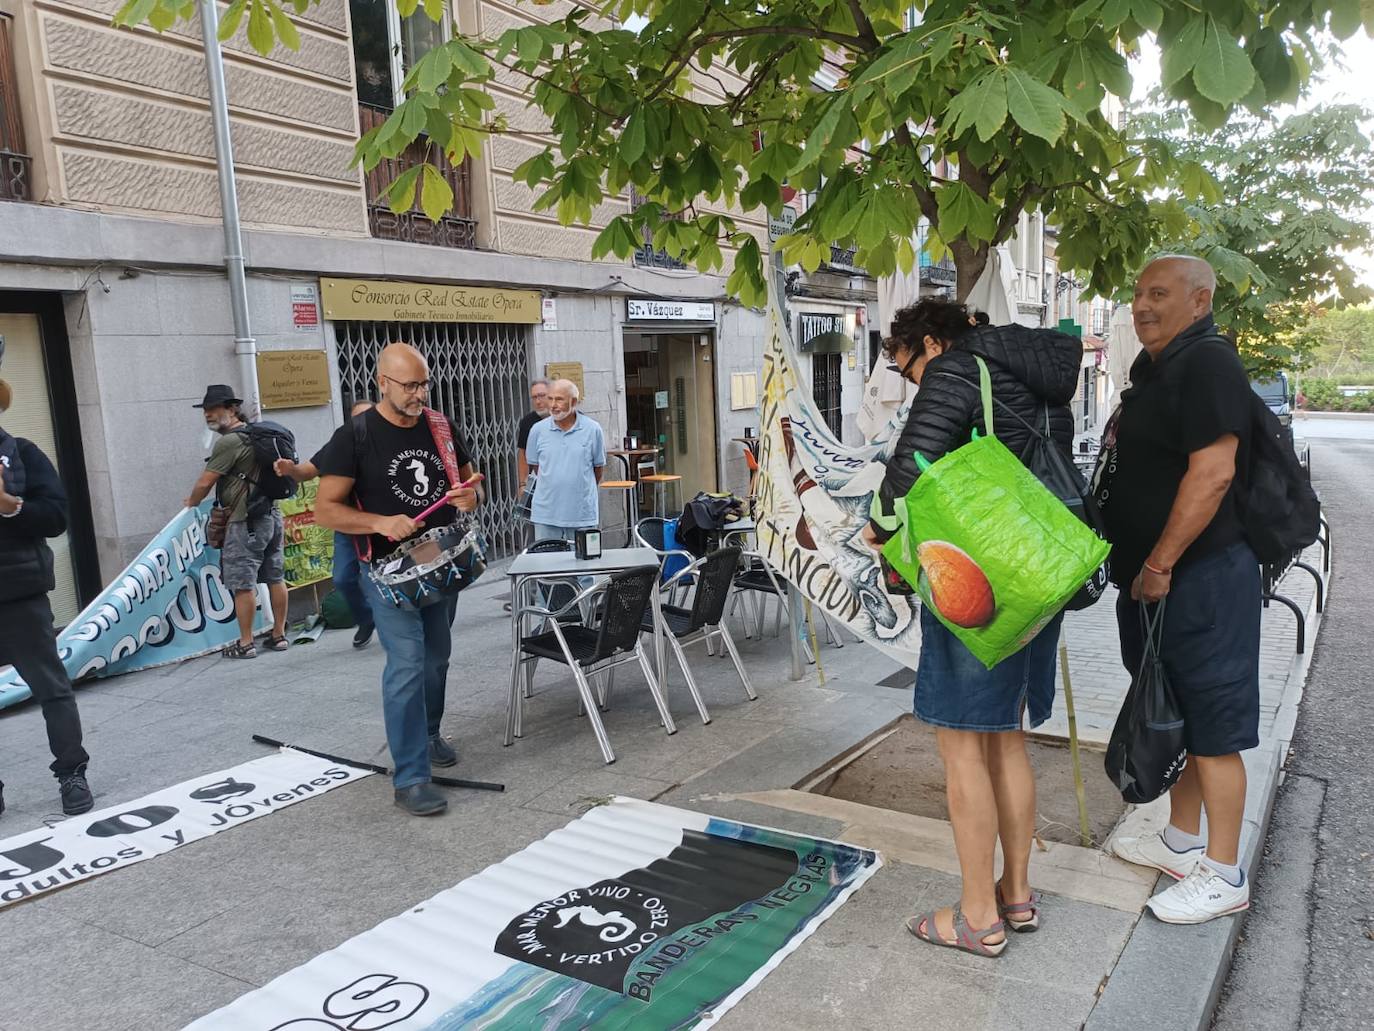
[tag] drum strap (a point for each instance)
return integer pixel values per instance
(443, 443)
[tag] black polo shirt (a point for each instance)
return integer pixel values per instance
(1193, 394)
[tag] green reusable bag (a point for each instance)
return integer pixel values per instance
(992, 553)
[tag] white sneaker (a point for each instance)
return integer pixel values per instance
(1151, 850)
(1201, 896)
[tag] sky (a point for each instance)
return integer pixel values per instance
(1337, 83)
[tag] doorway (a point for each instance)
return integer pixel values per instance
(670, 401)
(37, 366)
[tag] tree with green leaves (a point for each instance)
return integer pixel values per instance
(1285, 204)
(888, 111)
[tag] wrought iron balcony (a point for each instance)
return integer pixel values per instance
(16, 167)
(456, 229)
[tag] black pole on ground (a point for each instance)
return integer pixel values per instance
(445, 782)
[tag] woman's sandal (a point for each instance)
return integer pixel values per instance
(1015, 914)
(239, 650)
(966, 938)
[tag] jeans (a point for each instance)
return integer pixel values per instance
(29, 643)
(348, 574)
(417, 646)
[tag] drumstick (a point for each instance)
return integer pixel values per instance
(444, 500)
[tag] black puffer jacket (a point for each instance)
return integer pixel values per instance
(1029, 368)
(26, 561)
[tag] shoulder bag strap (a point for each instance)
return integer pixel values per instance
(362, 542)
(443, 440)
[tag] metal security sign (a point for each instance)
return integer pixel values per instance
(376, 300)
(634, 916)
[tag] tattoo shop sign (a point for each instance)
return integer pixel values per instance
(169, 604)
(85, 846)
(636, 915)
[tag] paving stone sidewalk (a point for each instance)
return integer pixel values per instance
(158, 944)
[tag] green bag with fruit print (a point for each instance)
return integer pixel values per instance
(992, 553)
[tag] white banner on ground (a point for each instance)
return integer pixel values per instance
(169, 604)
(814, 496)
(86, 846)
(636, 915)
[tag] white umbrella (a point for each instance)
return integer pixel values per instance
(995, 291)
(1122, 346)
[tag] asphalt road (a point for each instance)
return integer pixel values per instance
(1306, 956)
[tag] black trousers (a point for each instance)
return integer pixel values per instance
(29, 643)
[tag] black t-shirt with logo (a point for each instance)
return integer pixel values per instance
(396, 470)
(1193, 394)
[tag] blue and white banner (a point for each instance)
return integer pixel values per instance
(169, 604)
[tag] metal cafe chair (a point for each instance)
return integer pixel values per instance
(560, 590)
(653, 533)
(704, 621)
(755, 584)
(589, 652)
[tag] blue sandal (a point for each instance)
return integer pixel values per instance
(966, 938)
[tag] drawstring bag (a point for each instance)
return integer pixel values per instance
(1147, 751)
(991, 551)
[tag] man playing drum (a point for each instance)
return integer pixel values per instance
(377, 475)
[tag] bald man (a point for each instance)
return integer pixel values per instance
(567, 451)
(377, 473)
(1168, 490)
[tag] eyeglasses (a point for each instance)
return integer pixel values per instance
(418, 386)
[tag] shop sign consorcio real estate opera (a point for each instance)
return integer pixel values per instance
(376, 300)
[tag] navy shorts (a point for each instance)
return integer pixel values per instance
(1210, 648)
(955, 690)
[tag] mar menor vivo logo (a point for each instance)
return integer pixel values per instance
(595, 933)
(80, 854)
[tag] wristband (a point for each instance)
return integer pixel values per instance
(1159, 572)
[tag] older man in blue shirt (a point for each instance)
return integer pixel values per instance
(567, 451)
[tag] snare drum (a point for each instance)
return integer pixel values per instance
(431, 567)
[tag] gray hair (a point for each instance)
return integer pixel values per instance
(570, 386)
(1200, 274)
(538, 381)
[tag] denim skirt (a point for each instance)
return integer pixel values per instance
(955, 690)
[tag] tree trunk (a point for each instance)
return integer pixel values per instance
(969, 263)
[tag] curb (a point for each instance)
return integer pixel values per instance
(1171, 976)
(1359, 416)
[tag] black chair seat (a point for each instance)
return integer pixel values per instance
(756, 579)
(581, 642)
(677, 620)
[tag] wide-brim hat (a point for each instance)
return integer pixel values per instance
(217, 395)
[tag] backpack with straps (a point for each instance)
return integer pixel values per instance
(1280, 513)
(1062, 479)
(269, 441)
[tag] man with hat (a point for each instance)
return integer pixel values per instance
(255, 534)
(33, 507)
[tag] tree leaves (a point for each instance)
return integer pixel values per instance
(1223, 73)
(1180, 56)
(1346, 18)
(964, 213)
(1034, 106)
(982, 106)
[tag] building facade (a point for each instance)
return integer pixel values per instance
(113, 288)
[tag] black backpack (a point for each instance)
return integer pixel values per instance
(1279, 511)
(269, 441)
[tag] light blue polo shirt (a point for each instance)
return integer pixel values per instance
(566, 492)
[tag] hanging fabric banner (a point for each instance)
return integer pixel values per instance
(169, 604)
(86, 846)
(636, 915)
(814, 495)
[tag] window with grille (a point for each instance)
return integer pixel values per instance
(480, 376)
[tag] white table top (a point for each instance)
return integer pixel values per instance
(565, 563)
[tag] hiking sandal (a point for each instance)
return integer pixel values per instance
(1021, 917)
(966, 938)
(276, 644)
(239, 650)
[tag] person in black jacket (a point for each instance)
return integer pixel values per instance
(979, 713)
(33, 507)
